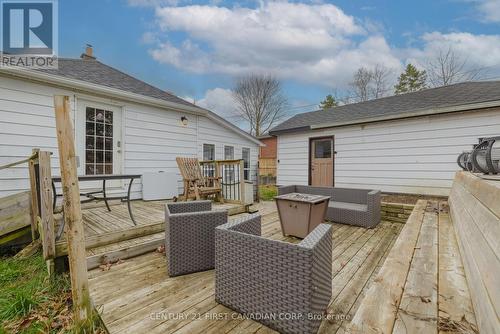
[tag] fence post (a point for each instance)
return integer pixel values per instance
(72, 210)
(34, 195)
(46, 212)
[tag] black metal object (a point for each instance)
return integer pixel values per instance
(485, 157)
(464, 161)
(91, 195)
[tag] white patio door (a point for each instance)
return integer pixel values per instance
(99, 140)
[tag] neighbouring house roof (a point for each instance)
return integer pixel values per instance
(91, 75)
(452, 98)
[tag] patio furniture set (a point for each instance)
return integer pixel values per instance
(284, 286)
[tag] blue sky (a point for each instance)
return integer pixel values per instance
(196, 48)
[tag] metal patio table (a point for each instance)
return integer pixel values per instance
(301, 213)
(92, 195)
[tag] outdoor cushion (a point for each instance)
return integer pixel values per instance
(348, 206)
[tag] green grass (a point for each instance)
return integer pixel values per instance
(31, 302)
(267, 192)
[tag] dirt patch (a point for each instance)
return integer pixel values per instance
(408, 198)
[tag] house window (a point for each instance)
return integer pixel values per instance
(323, 149)
(208, 152)
(98, 141)
(228, 153)
(245, 154)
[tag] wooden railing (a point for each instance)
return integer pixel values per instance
(42, 214)
(40, 199)
(232, 174)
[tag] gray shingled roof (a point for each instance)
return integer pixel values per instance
(93, 71)
(442, 97)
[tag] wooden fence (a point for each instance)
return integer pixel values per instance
(267, 170)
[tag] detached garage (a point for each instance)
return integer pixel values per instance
(403, 144)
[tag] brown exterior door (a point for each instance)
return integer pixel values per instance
(321, 151)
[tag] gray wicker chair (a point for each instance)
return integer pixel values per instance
(269, 280)
(190, 232)
(359, 207)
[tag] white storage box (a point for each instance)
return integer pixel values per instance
(248, 192)
(159, 185)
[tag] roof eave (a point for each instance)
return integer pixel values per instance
(99, 89)
(419, 113)
(213, 116)
(121, 94)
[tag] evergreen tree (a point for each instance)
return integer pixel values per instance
(411, 80)
(328, 102)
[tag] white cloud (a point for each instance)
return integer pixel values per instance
(490, 10)
(307, 42)
(219, 100)
(479, 51)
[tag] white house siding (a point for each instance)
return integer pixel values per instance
(406, 156)
(26, 121)
(152, 137)
(210, 132)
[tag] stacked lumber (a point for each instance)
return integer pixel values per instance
(396, 212)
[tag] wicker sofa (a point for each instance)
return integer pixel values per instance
(190, 232)
(358, 207)
(272, 281)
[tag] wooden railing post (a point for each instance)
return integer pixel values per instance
(46, 213)
(33, 195)
(242, 181)
(72, 210)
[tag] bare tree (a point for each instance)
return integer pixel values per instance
(370, 83)
(449, 68)
(361, 84)
(260, 101)
(380, 78)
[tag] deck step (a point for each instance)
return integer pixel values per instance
(124, 250)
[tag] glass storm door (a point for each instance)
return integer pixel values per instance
(99, 141)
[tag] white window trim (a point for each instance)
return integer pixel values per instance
(225, 152)
(249, 163)
(203, 150)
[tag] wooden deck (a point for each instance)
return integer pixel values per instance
(111, 235)
(138, 295)
(395, 278)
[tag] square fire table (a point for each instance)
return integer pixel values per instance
(301, 213)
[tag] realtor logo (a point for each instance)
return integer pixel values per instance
(29, 33)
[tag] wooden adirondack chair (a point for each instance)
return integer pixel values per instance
(196, 185)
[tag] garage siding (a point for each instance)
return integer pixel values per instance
(408, 156)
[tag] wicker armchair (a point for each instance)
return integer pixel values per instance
(271, 281)
(190, 231)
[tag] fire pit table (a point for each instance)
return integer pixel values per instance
(301, 213)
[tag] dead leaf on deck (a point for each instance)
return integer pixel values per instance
(425, 299)
(107, 266)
